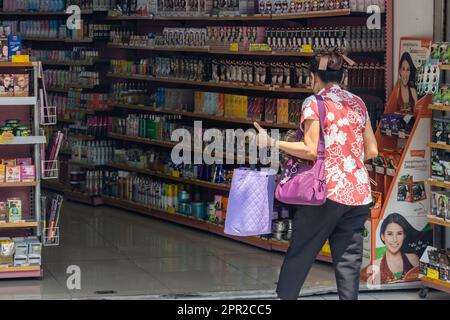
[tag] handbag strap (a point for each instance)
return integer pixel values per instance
(322, 114)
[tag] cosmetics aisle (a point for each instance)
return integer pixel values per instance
(138, 70)
(120, 98)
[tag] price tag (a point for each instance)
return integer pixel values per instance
(389, 132)
(22, 58)
(379, 170)
(402, 135)
(432, 274)
(390, 172)
(176, 174)
(369, 167)
(234, 47)
(307, 48)
(6, 138)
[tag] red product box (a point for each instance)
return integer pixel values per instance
(28, 173)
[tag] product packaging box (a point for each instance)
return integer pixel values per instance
(442, 205)
(21, 85)
(12, 174)
(2, 173)
(9, 162)
(14, 210)
(6, 85)
(23, 162)
(14, 45)
(28, 173)
(20, 260)
(4, 48)
(3, 212)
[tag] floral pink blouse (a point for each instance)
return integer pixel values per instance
(348, 181)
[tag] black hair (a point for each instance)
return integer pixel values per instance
(328, 75)
(412, 236)
(412, 77)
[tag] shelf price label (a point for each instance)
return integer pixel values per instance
(402, 135)
(432, 274)
(234, 47)
(390, 172)
(389, 132)
(307, 48)
(379, 170)
(6, 138)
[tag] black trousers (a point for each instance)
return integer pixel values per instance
(343, 226)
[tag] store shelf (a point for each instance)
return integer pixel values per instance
(201, 183)
(53, 185)
(26, 140)
(38, 39)
(83, 164)
(25, 224)
(17, 184)
(212, 51)
(67, 121)
(219, 85)
(201, 116)
(435, 220)
(445, 67)
(86, 111)
(307, 15)
(160, 143)
(438, 107)
(83, 198)
(68, 63)
(439, 184)
(19, 269)
(40, 13)
(17, 101)
(81, 137)
(5, 64)
(439, 146)
(436, 284)
(55, 89)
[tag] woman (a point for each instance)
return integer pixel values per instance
(396, 233)
(349, 141)
(407, 94)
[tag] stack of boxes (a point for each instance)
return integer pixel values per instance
(20, 252)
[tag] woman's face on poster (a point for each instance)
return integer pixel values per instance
(7, 81)
(393, 237)
(405, 72)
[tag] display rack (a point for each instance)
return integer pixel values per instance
(432, 279)
(25, 109)
(414, 157)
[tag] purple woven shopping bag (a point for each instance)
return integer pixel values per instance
(250, 203)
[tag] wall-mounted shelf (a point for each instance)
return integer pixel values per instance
(445, 67)
(17, 184)
(439, 146)
(27, 140)
(439, 184)
(201, 183)
(17, 101)
(160, 143)
(441, 222)
(315, 14)
(24, 224)
(68, 63)
(83, 164)
(217, 85)
(201, 116)
(439, 107)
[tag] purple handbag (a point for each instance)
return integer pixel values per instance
(305, 184)
(250, 203)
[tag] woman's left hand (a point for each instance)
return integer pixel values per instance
(263, 140)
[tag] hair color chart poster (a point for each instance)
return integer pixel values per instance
(403, 233)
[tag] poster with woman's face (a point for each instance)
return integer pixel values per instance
(401, 235)
(413, 52)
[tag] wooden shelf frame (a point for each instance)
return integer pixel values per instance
(18, 184)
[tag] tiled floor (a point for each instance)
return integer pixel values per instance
(124, 255)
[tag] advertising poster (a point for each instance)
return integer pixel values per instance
(413, 52)
(403, 233)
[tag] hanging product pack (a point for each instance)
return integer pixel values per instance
(305, 184)
(250, 204)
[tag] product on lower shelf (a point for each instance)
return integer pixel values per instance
(17, 170)
(436, 261)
